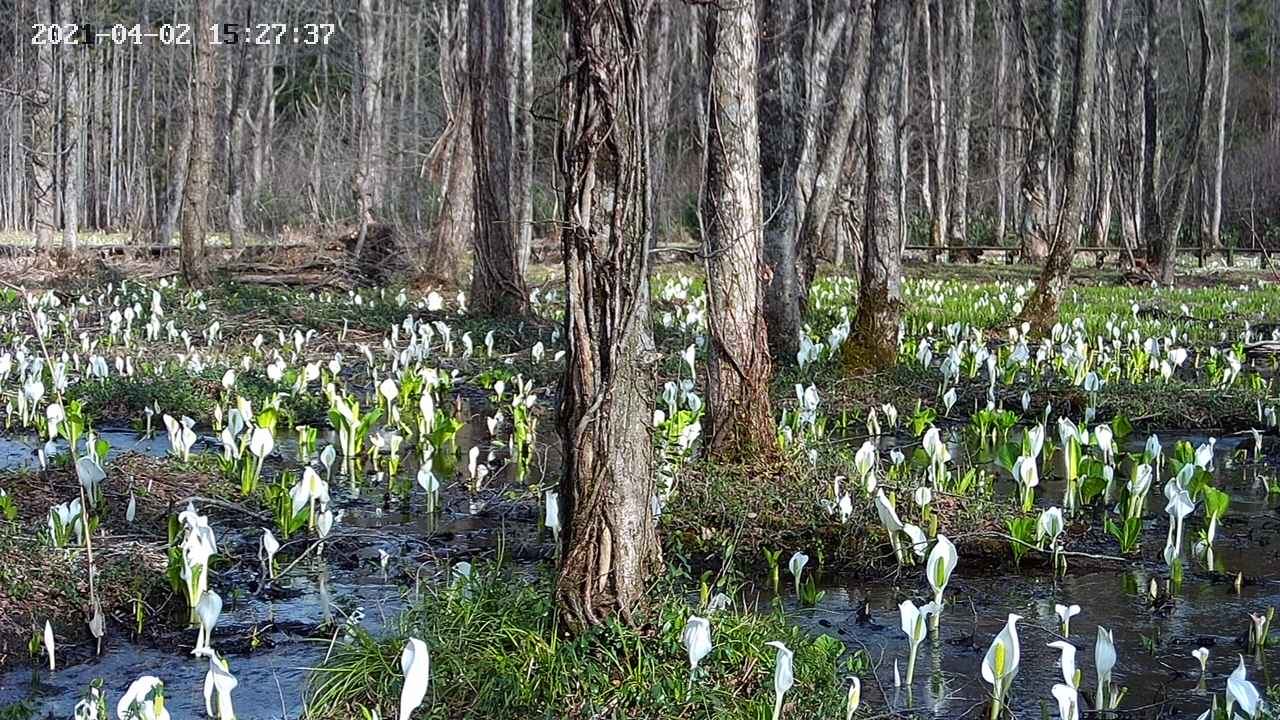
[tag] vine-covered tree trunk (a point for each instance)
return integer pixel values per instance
(194, 263)
(740, 420)
(1041, 309)
(44, 192)
(873, 343)
(498, 272)
(781, 121)
(609, 536)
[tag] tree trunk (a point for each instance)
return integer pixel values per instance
(194, 264)
(44, 193)
(454, 163)
(498, 273)
(521, 20)
(1149, 52)
(1188, 159)
(1001, 113)
(937, 71)
(873, 342)
(1040, 88)
(609, 537)
(659, 95)
(1041, 310)
(1215, 219)
(368, 180)
(958, 225)
(848, 112)
(242, 89)
(740, 421)
(73, 151)
(781, 108)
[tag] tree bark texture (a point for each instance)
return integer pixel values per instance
(453, 162)
(873, 342)
(739, 420)
(781, 100)
(42, 152)
(1215, 220)
(1188, 158)
(72, 127)
(194, 263)
(958, 224)
(1041, 309)
(849, 109)
(609, 537)
(498, 271)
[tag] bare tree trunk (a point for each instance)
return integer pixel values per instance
(1149, 52)
(873, 342)
(1041, 310)
(522, 124)
(262, 123)
(1215, 222)
(44, 193)
(609, 536)
(781, 124)
(825, 29)
(848, 111)
(453, 162)
(368, 179)
(958, 225)
(1000, 113)
(740, 421)
(194, 263)
(498, 272)
(660, 80)
(1040, 90)
(937, 72)
(73, 152)
(242, 89)
(1188, 159)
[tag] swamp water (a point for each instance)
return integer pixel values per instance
(271, 638)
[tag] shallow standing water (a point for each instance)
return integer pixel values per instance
(1206, 611)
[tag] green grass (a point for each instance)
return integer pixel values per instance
(495, 653)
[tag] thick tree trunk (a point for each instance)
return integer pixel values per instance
(781, 126)
(1041, 310)
(72, 126)
(44, 193)
(609, 536)
(498, 272)
(740, 420)
(958, 225)
(194, 263)
(453, 162)
(873, 342)
(848, 112)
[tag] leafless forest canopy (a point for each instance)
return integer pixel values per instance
(378, 123)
